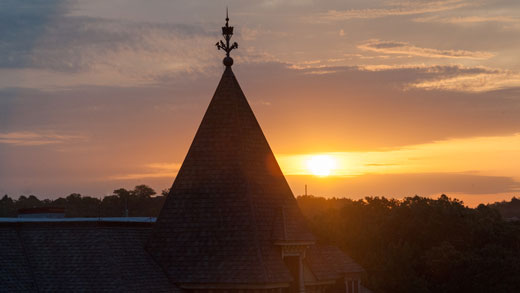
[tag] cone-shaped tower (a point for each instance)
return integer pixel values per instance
(230, 211)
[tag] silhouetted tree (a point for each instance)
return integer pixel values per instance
(421, 244)
(7, 207)
(165, 192)
(143, 191)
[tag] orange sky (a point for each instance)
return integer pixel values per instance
(413, 97)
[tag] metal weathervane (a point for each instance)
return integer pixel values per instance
(227, 32)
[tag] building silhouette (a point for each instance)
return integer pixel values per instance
(229, 224)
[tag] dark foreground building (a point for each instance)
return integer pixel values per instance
(229, 224)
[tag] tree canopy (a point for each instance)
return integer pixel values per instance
(139, 202)
(421, 244)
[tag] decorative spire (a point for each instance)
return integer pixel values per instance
(227, 32)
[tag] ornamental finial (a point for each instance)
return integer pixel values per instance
(227, 32)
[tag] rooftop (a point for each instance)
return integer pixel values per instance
(105, 219)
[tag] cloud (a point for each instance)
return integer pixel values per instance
(307, 64)
(404, 48)
(110, 53)
(378, 107)
(155, 170)
(467, 19)
(433, 70)
(21, 28)
(444, 70)
(278, 3)
(70, 51)
(403, 8)
(249, 34)
(365, 106)
(472, 82)
(42, 43)
(379, 165)
(455, 73)
(27, 138)
(454, 77)
(41, 36)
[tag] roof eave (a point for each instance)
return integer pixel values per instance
(233, 285)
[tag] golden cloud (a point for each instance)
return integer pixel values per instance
(404, 48)
(28, 138)
(481, 82)
(154, 170)
(467, 19)
(403, 8)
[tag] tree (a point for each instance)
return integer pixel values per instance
(143, 191)
(7, 207)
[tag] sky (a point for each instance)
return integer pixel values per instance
(404, 97)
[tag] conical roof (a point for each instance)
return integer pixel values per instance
(229, 204)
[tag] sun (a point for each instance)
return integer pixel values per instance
(321, 165)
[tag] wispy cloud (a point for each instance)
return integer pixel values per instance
(386, 67)
(467, 19)
(154, 170)
(479, 82)
(320, 72)
(404, 48)
(422, 68)
(403, 8)
(27, 138)
(49, 44)
(457, 78)
(249, 34)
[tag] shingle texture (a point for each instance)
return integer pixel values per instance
(15, 274)
(328, 262)
(78, 257)
(219, 220)
(110, 257)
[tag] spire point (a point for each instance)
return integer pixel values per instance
(227, 32)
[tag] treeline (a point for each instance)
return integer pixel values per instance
(416, 244)
(420, 244)
(508, 209)
(142, 201)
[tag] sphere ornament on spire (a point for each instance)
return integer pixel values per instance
(227, 32)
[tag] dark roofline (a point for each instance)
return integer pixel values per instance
(75, 224)
(215, 286)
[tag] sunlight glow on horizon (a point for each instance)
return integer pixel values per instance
(495, 155)
(321, 165)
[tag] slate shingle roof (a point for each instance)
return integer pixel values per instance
(220, 219)
(15, 274)
(110, 257)
(78, 257)
(328, 262)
